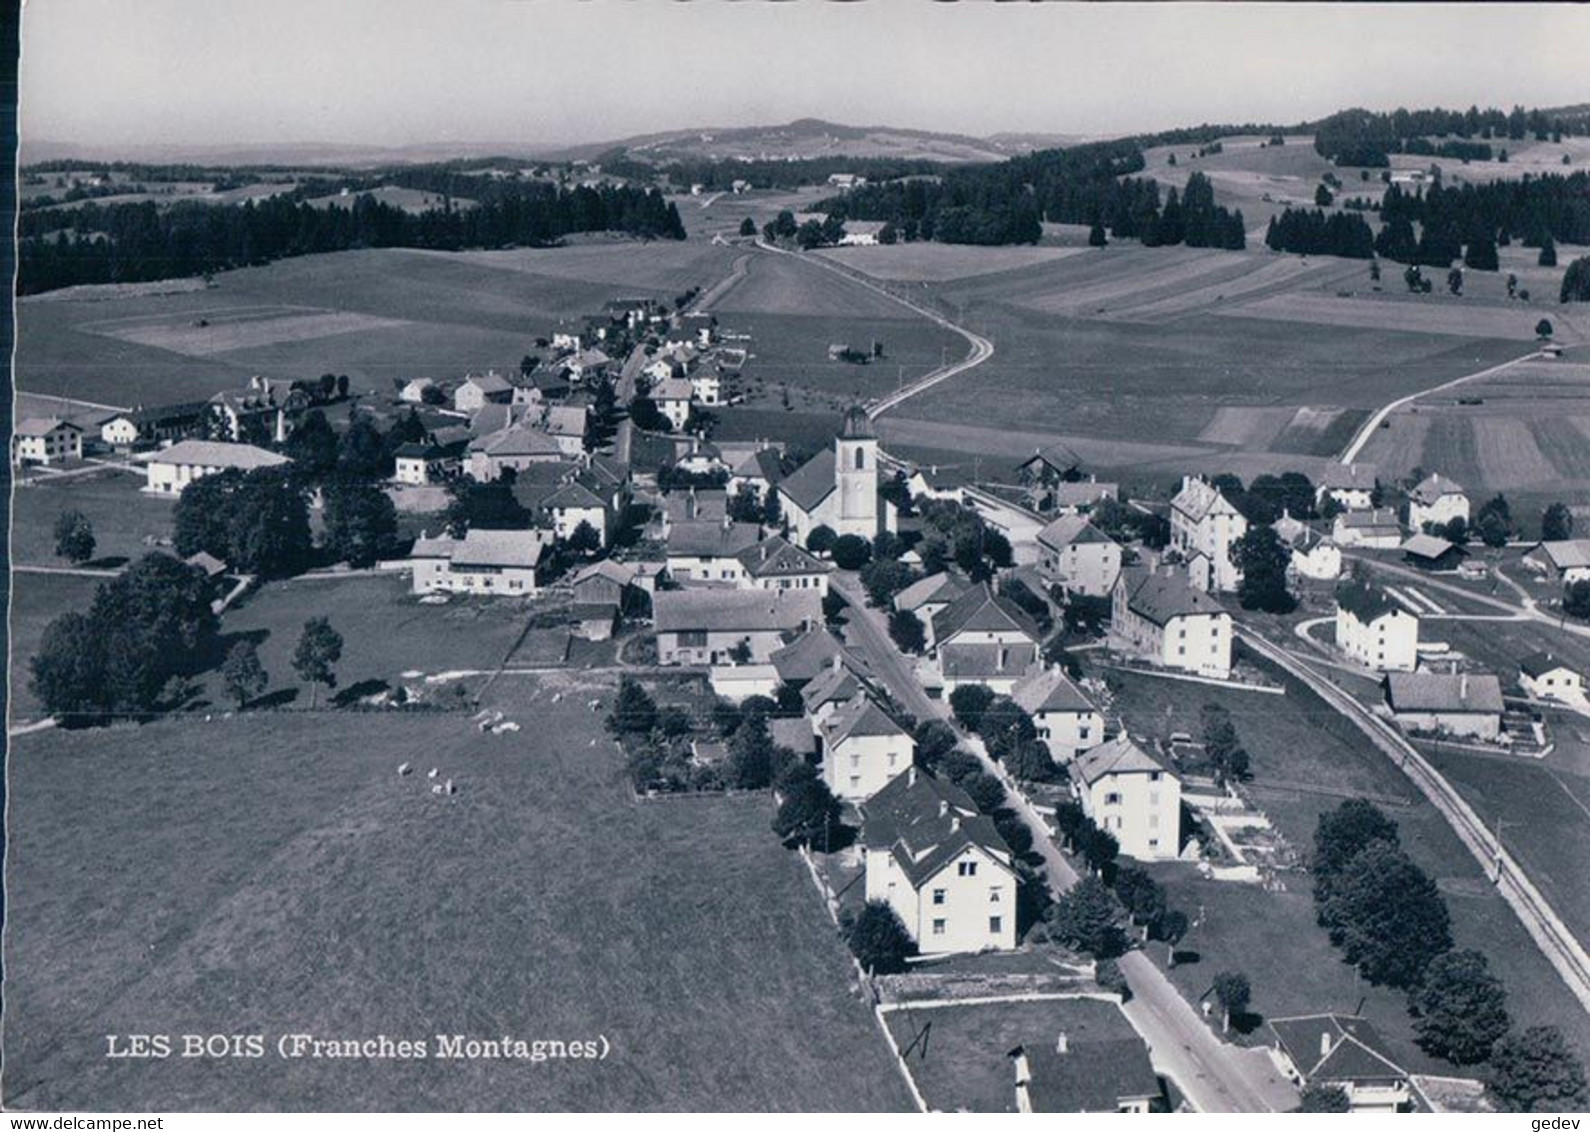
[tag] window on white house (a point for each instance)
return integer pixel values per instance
(938, 927)
(938, 896)
(966, 869)
(1112, 799)
(994, 924)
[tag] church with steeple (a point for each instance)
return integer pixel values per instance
(838, 487)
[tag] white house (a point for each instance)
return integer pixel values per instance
(1545, 676)
(413, 392)
(708, 385)
(1077, 556)
(707, 626)
(702, 552)
(838, 487)
(1160, 618)
(941, 866)
(673, 398)
(1368, 530)
(863, 749)
(778, 564)
(1067, 721)
(571, 504)
(1352, 486)
(481, 389)
(1437, 500)
(1374, 630)
(155, 425)
(1203, 526)
(1313, 558)
(45, 440)
(1078, 497)
(170, 470)
(1462, 704)
(494, 563)
(983, 638)
(756, 468)
(1132, 796)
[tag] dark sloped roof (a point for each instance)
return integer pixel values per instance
(860, 718)
(933, 589)
(1472, 692)
(1354, 1053)
(778, 557)
(1163, 597)
(1365, 602)
(812, 482)
(1540, 663)
(926, 848)
(1119, 756)
(806, 657)
(980, 609)
(700, 539)
(1050, 689)
(836, 682)
(1091, 1076)
(985, 661)
(909, 798)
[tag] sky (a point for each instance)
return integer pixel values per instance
(390, 73)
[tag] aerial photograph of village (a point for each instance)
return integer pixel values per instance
(554, 567)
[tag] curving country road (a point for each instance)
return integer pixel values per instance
(981, 348)
(1361, 438)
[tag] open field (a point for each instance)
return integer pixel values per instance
(385, 629)
(929, 262)
(390, 314)
(795, 310)
(1306, 759)
(966, 1066)
(122, 515)
(274, 875)
(36, 600)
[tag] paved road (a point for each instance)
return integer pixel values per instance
(1215, 1077)
(1519, 612)
(1559, 945)
(1356, 445)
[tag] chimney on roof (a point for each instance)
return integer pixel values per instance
(1463, 686)
(1324, 1043)
(944, 806)
(955, 823)
(910, 775)
(1062, 1043)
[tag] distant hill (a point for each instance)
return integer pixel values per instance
(815, 138)
(287, 154)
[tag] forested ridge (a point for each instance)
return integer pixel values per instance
(135, 242)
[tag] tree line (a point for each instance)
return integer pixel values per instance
(1366, 138)
(135, 242)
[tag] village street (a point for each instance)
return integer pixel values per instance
(1215, 1076)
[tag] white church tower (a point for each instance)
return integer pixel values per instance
(856, 473)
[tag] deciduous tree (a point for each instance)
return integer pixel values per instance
(74, 537)
(315, 659)
(1536, 1070)
(1460, 1009)
(243, 674)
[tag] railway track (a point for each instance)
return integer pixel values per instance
(1556, 942)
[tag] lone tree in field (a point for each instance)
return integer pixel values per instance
(243, 674)
(1086, 917)
(1096, 236)
(1324, 1098)
(1548, 253)
(1233, 992)
(1536, 1071)
(879, 940)
(1543, 328)
(1461, 1009)
(74, 537)
(748, 227)
(315, 659)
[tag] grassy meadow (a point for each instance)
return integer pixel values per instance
(273, 874)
